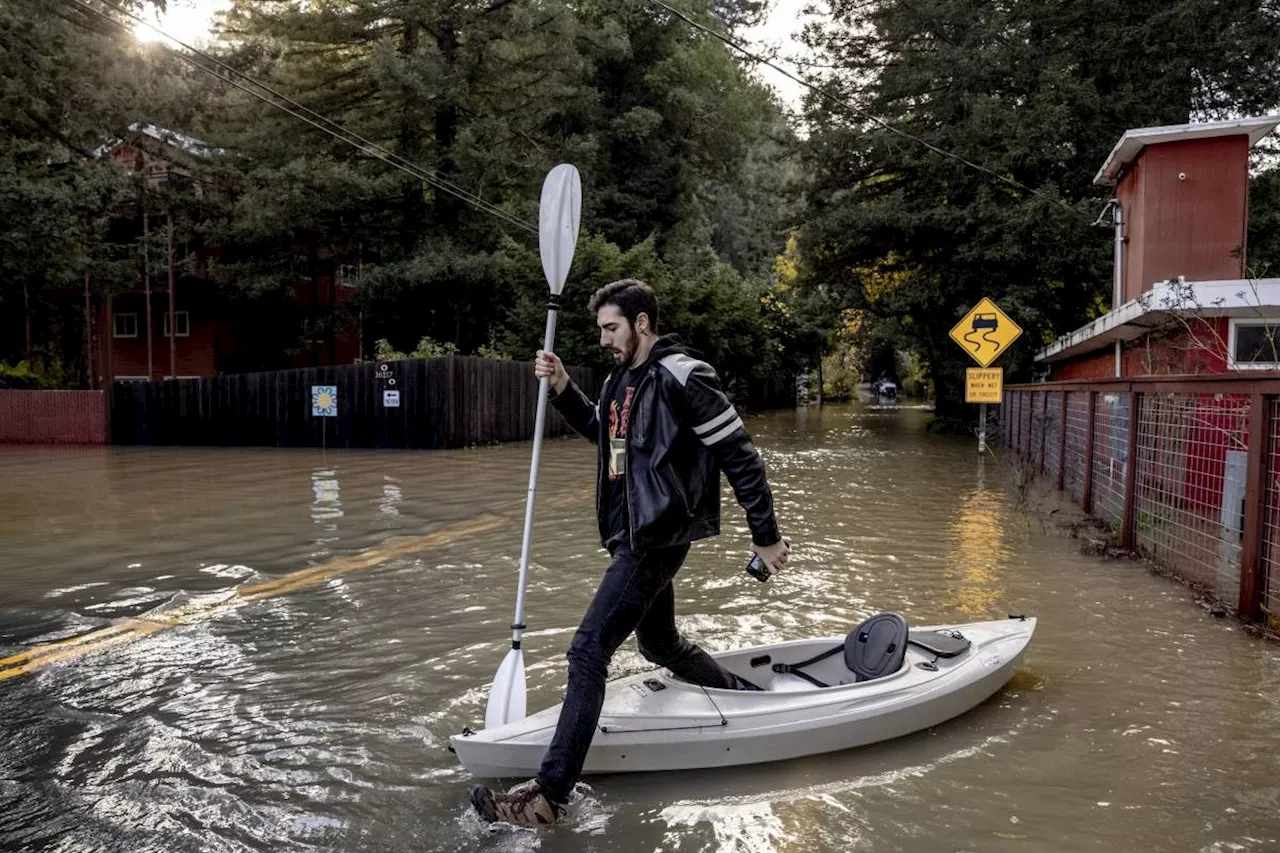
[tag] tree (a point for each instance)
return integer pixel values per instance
(1263, 258)
(687, 165)
(1036, 93)
(678, 147)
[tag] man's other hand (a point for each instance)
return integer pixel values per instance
(775, 555)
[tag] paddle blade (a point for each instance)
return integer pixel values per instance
(558, 215)
(506, 697)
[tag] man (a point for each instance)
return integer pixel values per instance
(664, 431)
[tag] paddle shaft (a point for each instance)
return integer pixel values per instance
(544, 387)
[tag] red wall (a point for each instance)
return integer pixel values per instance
(196, 353)
(1200, 349)
(1095, 365)
(53, 417)
(1191, 225)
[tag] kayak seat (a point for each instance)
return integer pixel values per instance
(875, 648)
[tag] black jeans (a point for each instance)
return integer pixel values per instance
(635, 594)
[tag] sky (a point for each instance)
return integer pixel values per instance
(781, 30)
(189, 22)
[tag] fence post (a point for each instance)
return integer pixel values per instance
(1008, 421)
(1031, 413)
(1015, 401)
(1252, 569)
(1086, 499)
(1062, 441)
(1044, 429)
(1130, 473)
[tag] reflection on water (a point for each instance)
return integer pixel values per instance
(286, 639)
(979, 554)
(326, 505)
(389, 504)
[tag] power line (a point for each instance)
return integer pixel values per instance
(313, 118)
(861, 112)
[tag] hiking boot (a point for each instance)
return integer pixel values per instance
(523, 805)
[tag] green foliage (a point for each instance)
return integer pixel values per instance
(426, 348)
(1263, 260)
(685, 159)
(840, 385)
(1038, 92)
(32, 376)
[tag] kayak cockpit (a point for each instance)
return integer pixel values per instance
(874, 650)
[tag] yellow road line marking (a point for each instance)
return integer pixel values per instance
(134, 628)
(49, 648)
(73, 652)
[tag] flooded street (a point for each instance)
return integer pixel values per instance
(313, 713)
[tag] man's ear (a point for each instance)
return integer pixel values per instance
(642, 323)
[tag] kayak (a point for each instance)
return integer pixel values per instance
(881, 681)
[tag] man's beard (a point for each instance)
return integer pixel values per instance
(627, 354)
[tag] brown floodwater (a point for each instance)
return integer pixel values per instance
(276, 645)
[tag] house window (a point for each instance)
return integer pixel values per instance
(349, 276)
(1254, 345)
(124, 325)
(183, 319)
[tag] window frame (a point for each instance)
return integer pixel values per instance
(1233, 339)
(164, 324)
(115, 328)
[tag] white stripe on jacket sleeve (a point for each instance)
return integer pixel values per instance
(729, 430)
(719, 419)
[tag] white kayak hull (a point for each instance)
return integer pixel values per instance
(654, 721)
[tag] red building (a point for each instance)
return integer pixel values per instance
(1182, 300)
(173, 322)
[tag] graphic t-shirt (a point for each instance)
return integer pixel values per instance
(619, 414)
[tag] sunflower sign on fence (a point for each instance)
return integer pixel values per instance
(324, 401)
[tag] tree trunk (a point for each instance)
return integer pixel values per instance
(819, 379)
(446, 123)
(26, 311)
(412, 205)
(146, 287)
(90, 379)
(173, 325)
(447, 212)
(109, 369)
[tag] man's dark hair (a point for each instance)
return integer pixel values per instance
(633, 298)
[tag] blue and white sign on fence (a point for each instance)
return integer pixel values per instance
(324, 401)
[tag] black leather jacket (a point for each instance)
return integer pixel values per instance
(683, 432)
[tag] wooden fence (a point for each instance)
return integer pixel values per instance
(438, 403)
(53, 417)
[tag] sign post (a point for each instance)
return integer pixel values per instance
(985, 333)
(324, 404)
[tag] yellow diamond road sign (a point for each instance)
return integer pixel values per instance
(985, 332)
